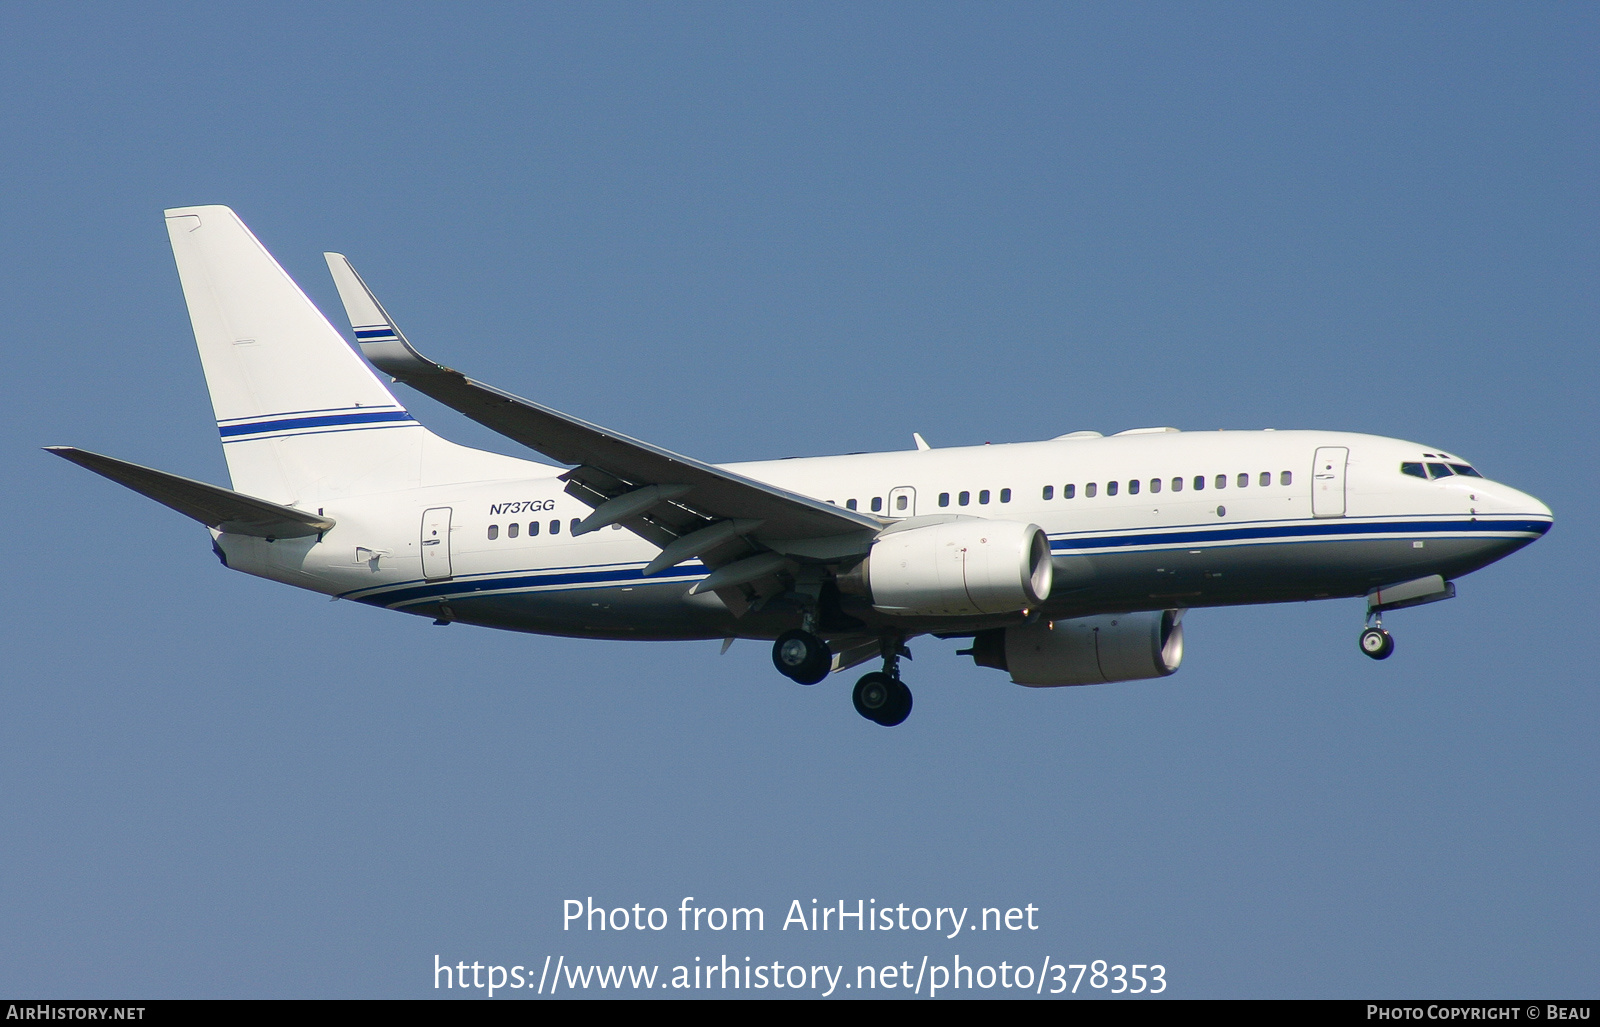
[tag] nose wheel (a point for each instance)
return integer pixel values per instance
(882, 699)
(1377, 643)
(801, 656)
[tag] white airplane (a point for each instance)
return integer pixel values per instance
(1066, 562)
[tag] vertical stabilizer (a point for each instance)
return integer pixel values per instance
(302, 417)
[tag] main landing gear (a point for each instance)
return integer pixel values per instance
(881, 697)
(801, 656)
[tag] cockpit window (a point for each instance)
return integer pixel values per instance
(1439, 471)
(1415, 470)
(1464, 469)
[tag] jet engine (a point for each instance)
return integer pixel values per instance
(959, 567)
(1090, 651)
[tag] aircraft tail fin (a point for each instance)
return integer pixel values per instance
(302, 417)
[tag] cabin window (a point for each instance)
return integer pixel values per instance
(1111, 488)
(877, 504)
(1155, 484)
(964, 498)
(575, 523)
(555, 527)
(849, 504)
(1285, 477)
(494, 532)
(1089, 490)
(1222, 481)
(1133, 487)
(1005, 495)
(1266, 478)
(1415, 470)
(901, 502)
(511, 530)
(1199, 482)
(1068, 491)
(983, 496)
(1244, 480)
(533, 528)
(944, 499)
(1177, 484)
(1049, 492)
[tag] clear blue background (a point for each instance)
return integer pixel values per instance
(747, 231)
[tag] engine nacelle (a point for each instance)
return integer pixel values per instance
(959, 567)
(1090, 651)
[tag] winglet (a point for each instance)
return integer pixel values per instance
(921, 442)
(380, 339)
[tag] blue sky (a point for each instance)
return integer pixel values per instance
(748, 231)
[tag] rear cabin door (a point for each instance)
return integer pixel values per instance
(903, 502)
(436, 543)
(1327, 482)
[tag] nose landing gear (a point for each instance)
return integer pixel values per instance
(1376, 642)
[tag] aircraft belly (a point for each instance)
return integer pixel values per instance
(642, 612)
(1275, 573)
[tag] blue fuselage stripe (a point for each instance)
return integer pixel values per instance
(326, 420)
(1297, 529)
(501, 583)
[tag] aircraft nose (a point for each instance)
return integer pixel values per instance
(1522, 503)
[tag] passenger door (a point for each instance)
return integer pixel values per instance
(1327, 481)
(436, 543)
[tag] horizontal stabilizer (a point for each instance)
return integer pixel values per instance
(211, 505)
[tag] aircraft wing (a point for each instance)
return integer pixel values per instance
(211, 505)
(687, 507)
(663, 496)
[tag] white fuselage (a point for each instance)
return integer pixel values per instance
(1145, 520)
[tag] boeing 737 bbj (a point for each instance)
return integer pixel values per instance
(1066, 562)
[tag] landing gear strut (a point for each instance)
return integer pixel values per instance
(882, 697)
(802, 656)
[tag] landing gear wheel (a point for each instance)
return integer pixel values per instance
(1377, 643)
(882, 699)
(801, 656)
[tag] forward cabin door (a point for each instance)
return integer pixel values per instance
(903, 502)
(436, 543)
(1327, 481)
